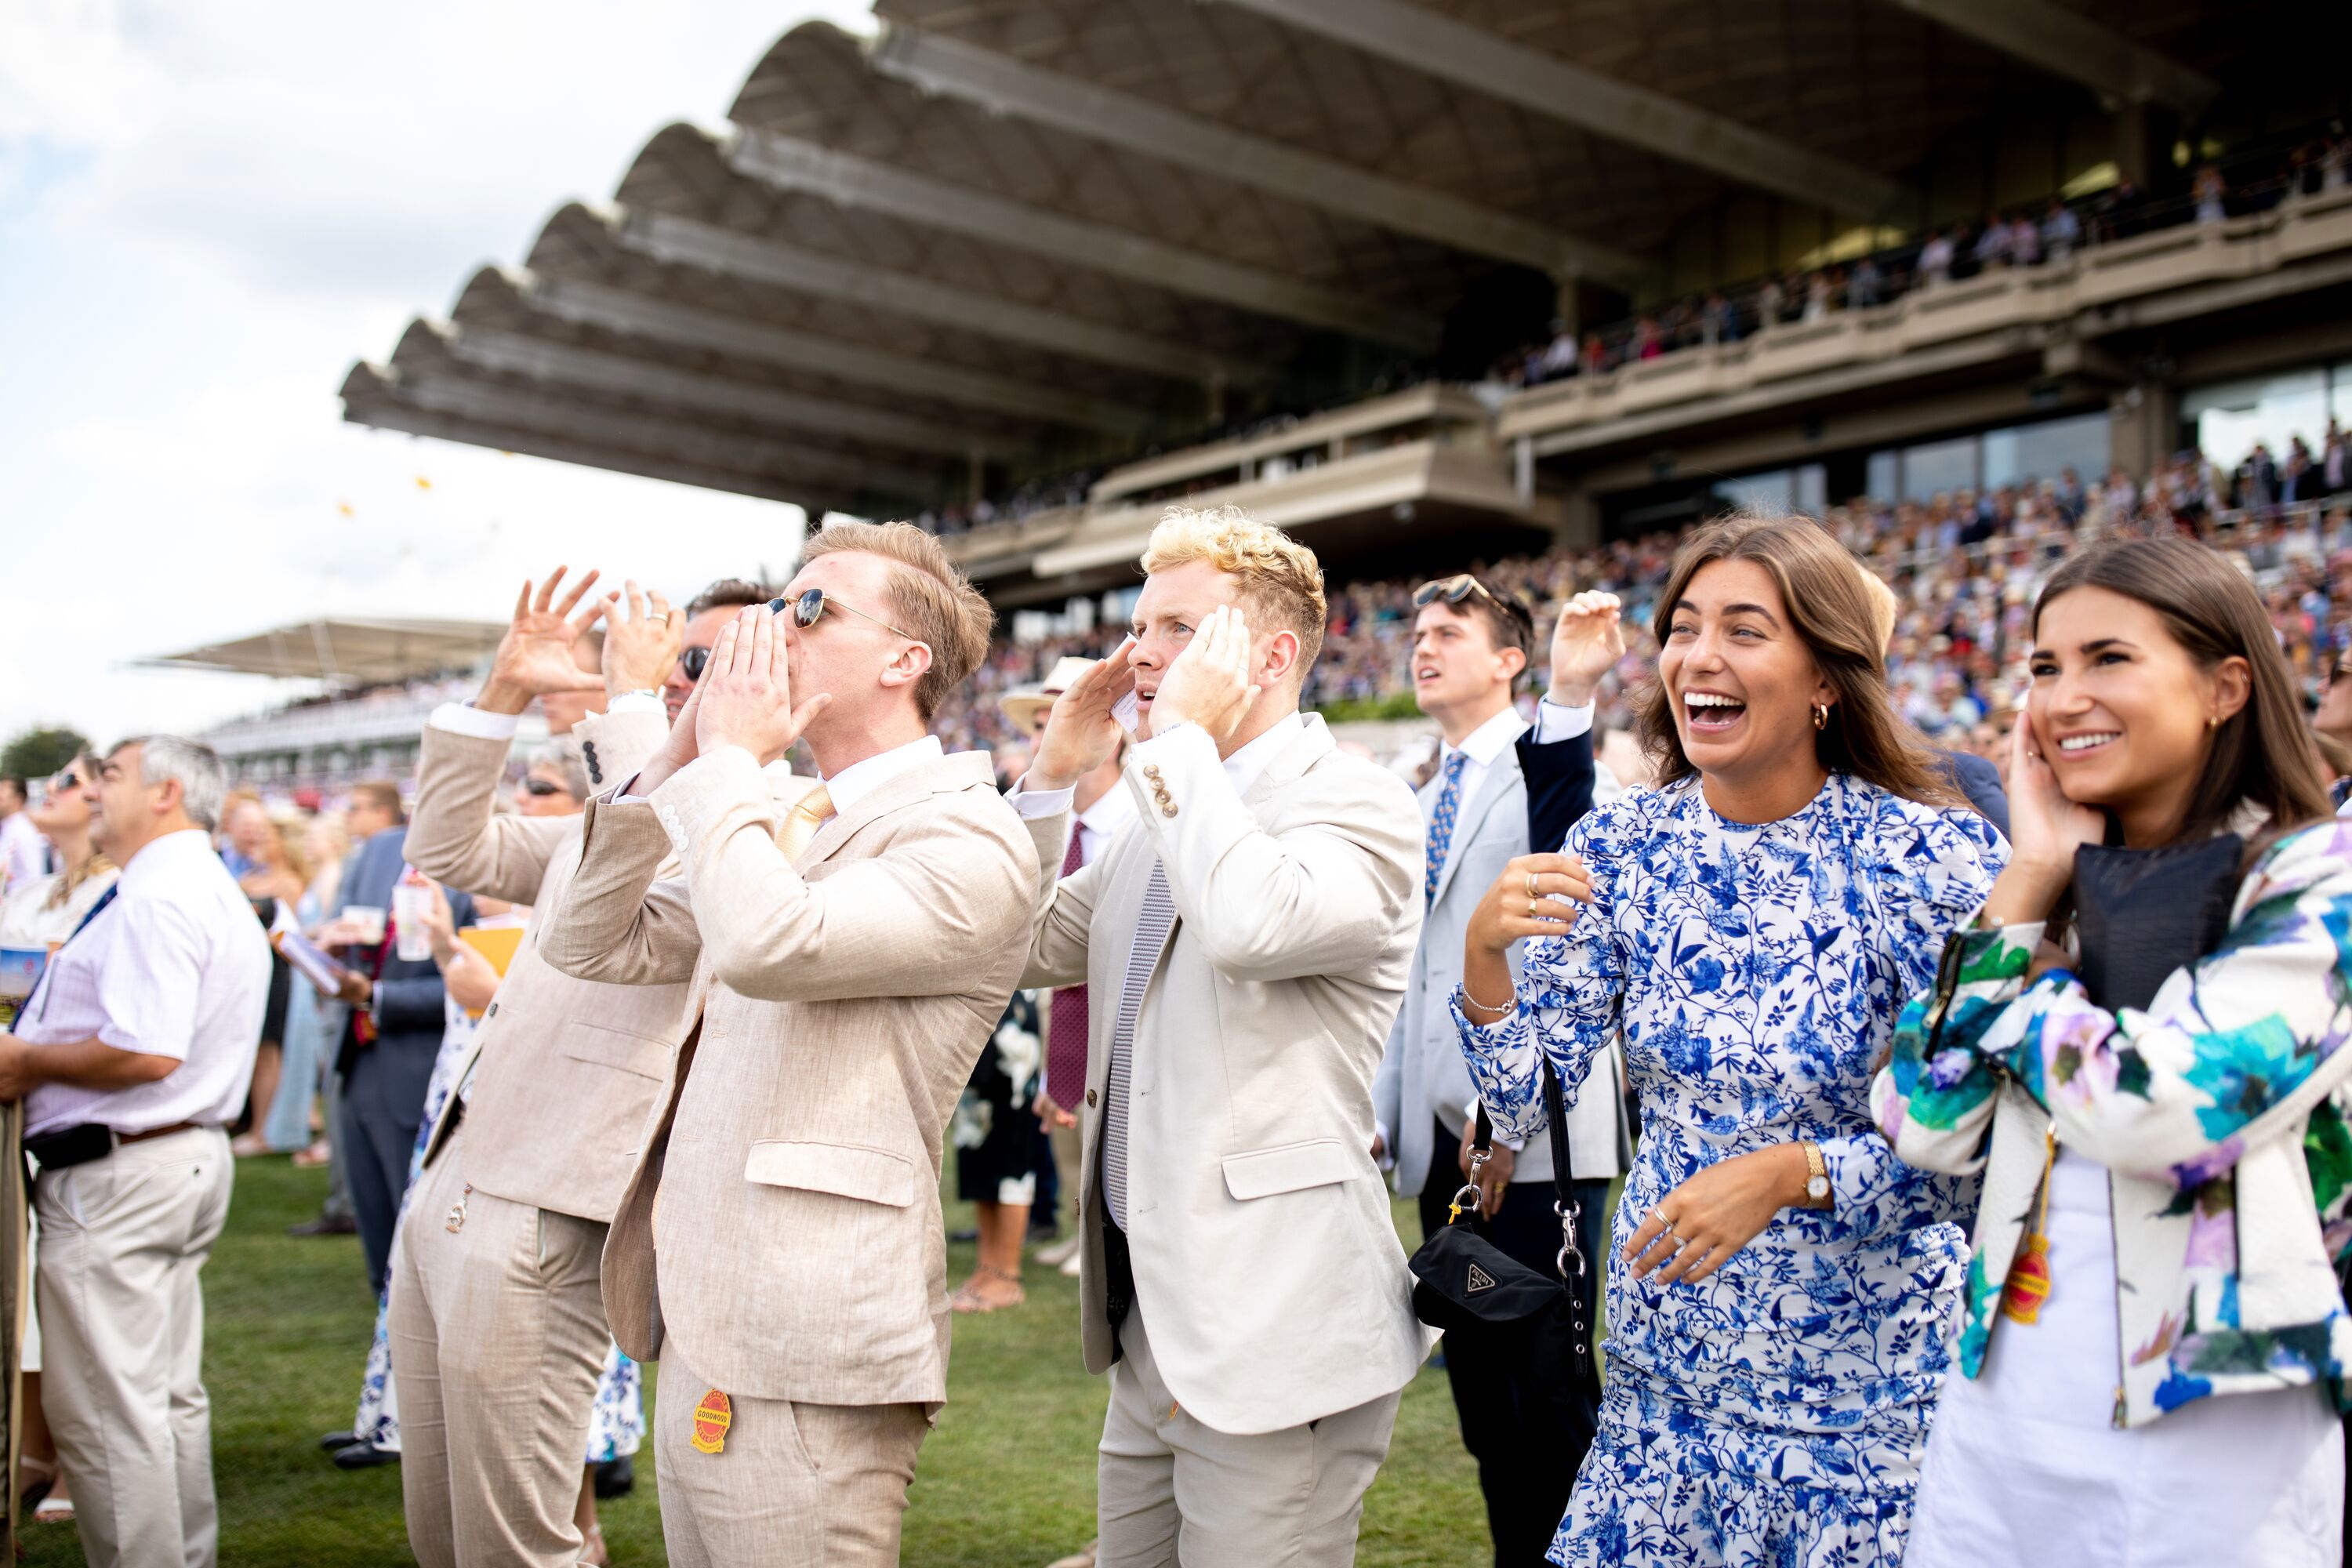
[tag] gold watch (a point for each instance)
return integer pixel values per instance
(1817, 1175)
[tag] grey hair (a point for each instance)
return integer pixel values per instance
(196, 767)
(562, 755)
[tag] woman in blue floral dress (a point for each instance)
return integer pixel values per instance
(1778, 1317)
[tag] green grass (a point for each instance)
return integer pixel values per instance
(1007, 1482)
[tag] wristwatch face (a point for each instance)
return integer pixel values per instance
(1818, 1188)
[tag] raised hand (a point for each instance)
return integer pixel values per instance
(745, 698)
(640, 646)
(1536, 895)
(537, 655)
(1081, 733)
(1587, 641)
(2045, 829)
(1208, 683)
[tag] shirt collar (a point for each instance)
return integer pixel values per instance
(1486, 742)
(1246, 766)
(861, 779)
(1114, 811)
(162, 857)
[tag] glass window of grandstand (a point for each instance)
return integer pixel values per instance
(1804, 490)
(2012, 455)
(2274, 411)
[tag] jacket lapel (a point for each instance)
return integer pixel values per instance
(959, 770)
(1500, 776)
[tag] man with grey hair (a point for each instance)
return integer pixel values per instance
(131, 1057)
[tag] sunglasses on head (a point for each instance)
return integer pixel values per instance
(1460, 586)
(543, 787)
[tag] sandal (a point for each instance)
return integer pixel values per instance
(967, 1297)
(592, 1551)
(53, 1510)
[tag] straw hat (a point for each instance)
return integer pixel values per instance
(1024, 703)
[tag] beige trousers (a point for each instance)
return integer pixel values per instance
(122, 1242)
(1170, 1490)
(498, 1339)
(794, 1486)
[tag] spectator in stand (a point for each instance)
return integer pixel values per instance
(40, 914)
(131, 1058)
(2210, 193)
(1768, 301)
(1719, 323)
(2024, 241)
(1993, 246)
(22, 856)
(1866, 285)
(1935, 258)
(2062, 231)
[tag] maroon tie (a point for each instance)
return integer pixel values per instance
(1065, 1028)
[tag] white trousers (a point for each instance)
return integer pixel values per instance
(122, 1242)
(1170, 1490)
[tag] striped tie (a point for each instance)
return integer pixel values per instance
(1152, 929)
(808, 814)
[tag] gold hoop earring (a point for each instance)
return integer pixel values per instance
(1821, 715)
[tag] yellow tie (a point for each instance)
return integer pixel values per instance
(808, 814)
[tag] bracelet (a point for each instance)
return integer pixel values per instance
(1489, 1007)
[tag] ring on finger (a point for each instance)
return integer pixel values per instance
(1532, 889)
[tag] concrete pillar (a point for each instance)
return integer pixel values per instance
(1580, 521)
(1523, 468)
(2145, 133)
(2145, 425)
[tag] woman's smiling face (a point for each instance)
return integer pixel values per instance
(1741, 682)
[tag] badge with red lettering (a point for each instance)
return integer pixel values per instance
(711, 1419)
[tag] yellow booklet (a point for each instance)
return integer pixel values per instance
(497, 943)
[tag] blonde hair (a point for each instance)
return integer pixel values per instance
(1884, 605)
(930, 600)
(1281, 581)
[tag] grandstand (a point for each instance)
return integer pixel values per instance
(1435, 280)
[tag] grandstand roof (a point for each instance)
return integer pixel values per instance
(1048, 232)
(347, 652)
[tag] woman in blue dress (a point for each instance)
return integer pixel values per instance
(1778, 1307)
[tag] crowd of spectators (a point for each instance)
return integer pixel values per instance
(1965, 565)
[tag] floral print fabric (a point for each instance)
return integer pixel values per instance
(2221, 1111)
(1777, 1411)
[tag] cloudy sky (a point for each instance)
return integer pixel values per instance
(206, 212)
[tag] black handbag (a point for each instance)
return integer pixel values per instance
(2141, 914)
(1464, 1284)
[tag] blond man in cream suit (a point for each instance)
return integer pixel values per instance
(1246, 944)
(780, 1246)
(497, 1328)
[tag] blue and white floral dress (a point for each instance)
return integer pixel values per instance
(1775, 1412)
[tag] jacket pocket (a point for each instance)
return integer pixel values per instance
(1289, 1167)
(844, 1170)
(640, 1053)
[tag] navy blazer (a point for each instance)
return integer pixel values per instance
(1560, 786)
(1980, 782)
(409, 1013)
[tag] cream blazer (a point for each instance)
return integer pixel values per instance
(782, 1225)
(1265, 1261)
(565, 1071)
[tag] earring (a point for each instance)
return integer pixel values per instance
(1821, 715)
(2212, 722)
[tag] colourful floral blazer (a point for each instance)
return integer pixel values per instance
(2221, 1113)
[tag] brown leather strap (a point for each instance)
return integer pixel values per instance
(157, 1132)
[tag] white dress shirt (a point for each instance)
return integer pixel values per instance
(1102, 822)
(175, 966)
(24, 853)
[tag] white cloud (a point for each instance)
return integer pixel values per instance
(206, 212)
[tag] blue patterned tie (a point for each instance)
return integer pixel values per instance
(1441, 824)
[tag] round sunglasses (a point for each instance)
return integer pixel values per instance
(807, 608)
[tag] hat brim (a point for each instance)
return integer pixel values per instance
(1021, 707)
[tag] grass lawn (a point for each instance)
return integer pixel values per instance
(1006, 1482)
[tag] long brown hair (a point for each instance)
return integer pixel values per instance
(1821, 586)
(2261, 753)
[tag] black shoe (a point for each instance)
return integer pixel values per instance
(334, 1440)
(958, 1237)
(615, 1477)
(364, 1456)
(325, 1225)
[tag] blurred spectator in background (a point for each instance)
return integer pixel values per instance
(22, 856)
(313, 1022)
(273, 873)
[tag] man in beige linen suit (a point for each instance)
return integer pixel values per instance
(498, 1330)
(1245, 945)
(779, 1246)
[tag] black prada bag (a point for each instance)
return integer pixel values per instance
(1539, 1320)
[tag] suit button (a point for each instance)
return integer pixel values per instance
(1167, 808)
(1151, 772)
(1090, 1097)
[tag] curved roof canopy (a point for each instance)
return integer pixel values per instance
(1006, 235)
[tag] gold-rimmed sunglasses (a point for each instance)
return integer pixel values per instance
(807, 608)
(1461, 585)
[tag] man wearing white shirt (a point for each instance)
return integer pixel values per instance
(131, 1058)
(24, 853)
(1248, 939)
(1500, 788)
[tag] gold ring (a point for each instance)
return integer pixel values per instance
(1531, 909)
(1532, 889)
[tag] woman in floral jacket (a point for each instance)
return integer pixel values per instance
(1753, 925)
(2164, 1190)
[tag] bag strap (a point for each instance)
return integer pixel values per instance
(1563, 1165)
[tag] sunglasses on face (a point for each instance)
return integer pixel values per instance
(64, 782)
(1460, 586)
(543, 787)
(809, 607)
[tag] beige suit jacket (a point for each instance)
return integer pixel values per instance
(1265, 1261)
(565, 1072)
(795, 1250)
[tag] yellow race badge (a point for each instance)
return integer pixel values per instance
(711, 1419)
